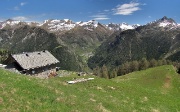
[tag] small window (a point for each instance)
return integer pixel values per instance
(178, 71)
(33, 72)
(23, 72)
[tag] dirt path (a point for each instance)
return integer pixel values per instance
(167, 84)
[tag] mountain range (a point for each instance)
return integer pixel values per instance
(77, 43)
(54, 25)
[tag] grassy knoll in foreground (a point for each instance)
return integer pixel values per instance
(153, 90)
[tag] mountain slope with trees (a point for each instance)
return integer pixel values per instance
(29, 39)
(150, 41)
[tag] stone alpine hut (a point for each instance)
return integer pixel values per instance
(41, 63)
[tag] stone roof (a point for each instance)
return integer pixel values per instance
(33, 60)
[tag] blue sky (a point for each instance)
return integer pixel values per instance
(104, 11)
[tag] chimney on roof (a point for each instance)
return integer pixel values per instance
(44, 50)
(27, 54)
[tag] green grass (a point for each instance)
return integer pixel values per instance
(153, 90)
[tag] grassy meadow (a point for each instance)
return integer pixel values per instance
(152, 90)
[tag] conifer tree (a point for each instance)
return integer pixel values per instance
(134, 65)
(113, 73)
(144, 64)
(127, 67)
(164, 62)
(105, 72)
(97, 71)
(160, 63)
(121, 70)
(153, 63)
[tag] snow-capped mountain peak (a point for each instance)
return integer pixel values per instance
(80, 22)
(67, 24)
(136, 25)
(54, 25)
(123, 26)
(165, 23)
(9, 22)
(66, 20)
(91, 22)
(12, 22)
(89, 25)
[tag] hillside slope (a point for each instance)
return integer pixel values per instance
(148, 41)
(152, 90)
(29, 39)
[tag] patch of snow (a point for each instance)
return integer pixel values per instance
(88, 23)
(12, 23)
(3, 25)
(136, 25)
(29, 23)
(33, 23)
(80, 22)
(173, 38)
(55, 21)
(55, 25)
(164, 24)
(95, 25)
(66, 20)
(88, 29)
(125, 26)
(110, 28)
(45, 22)
(9, 22)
